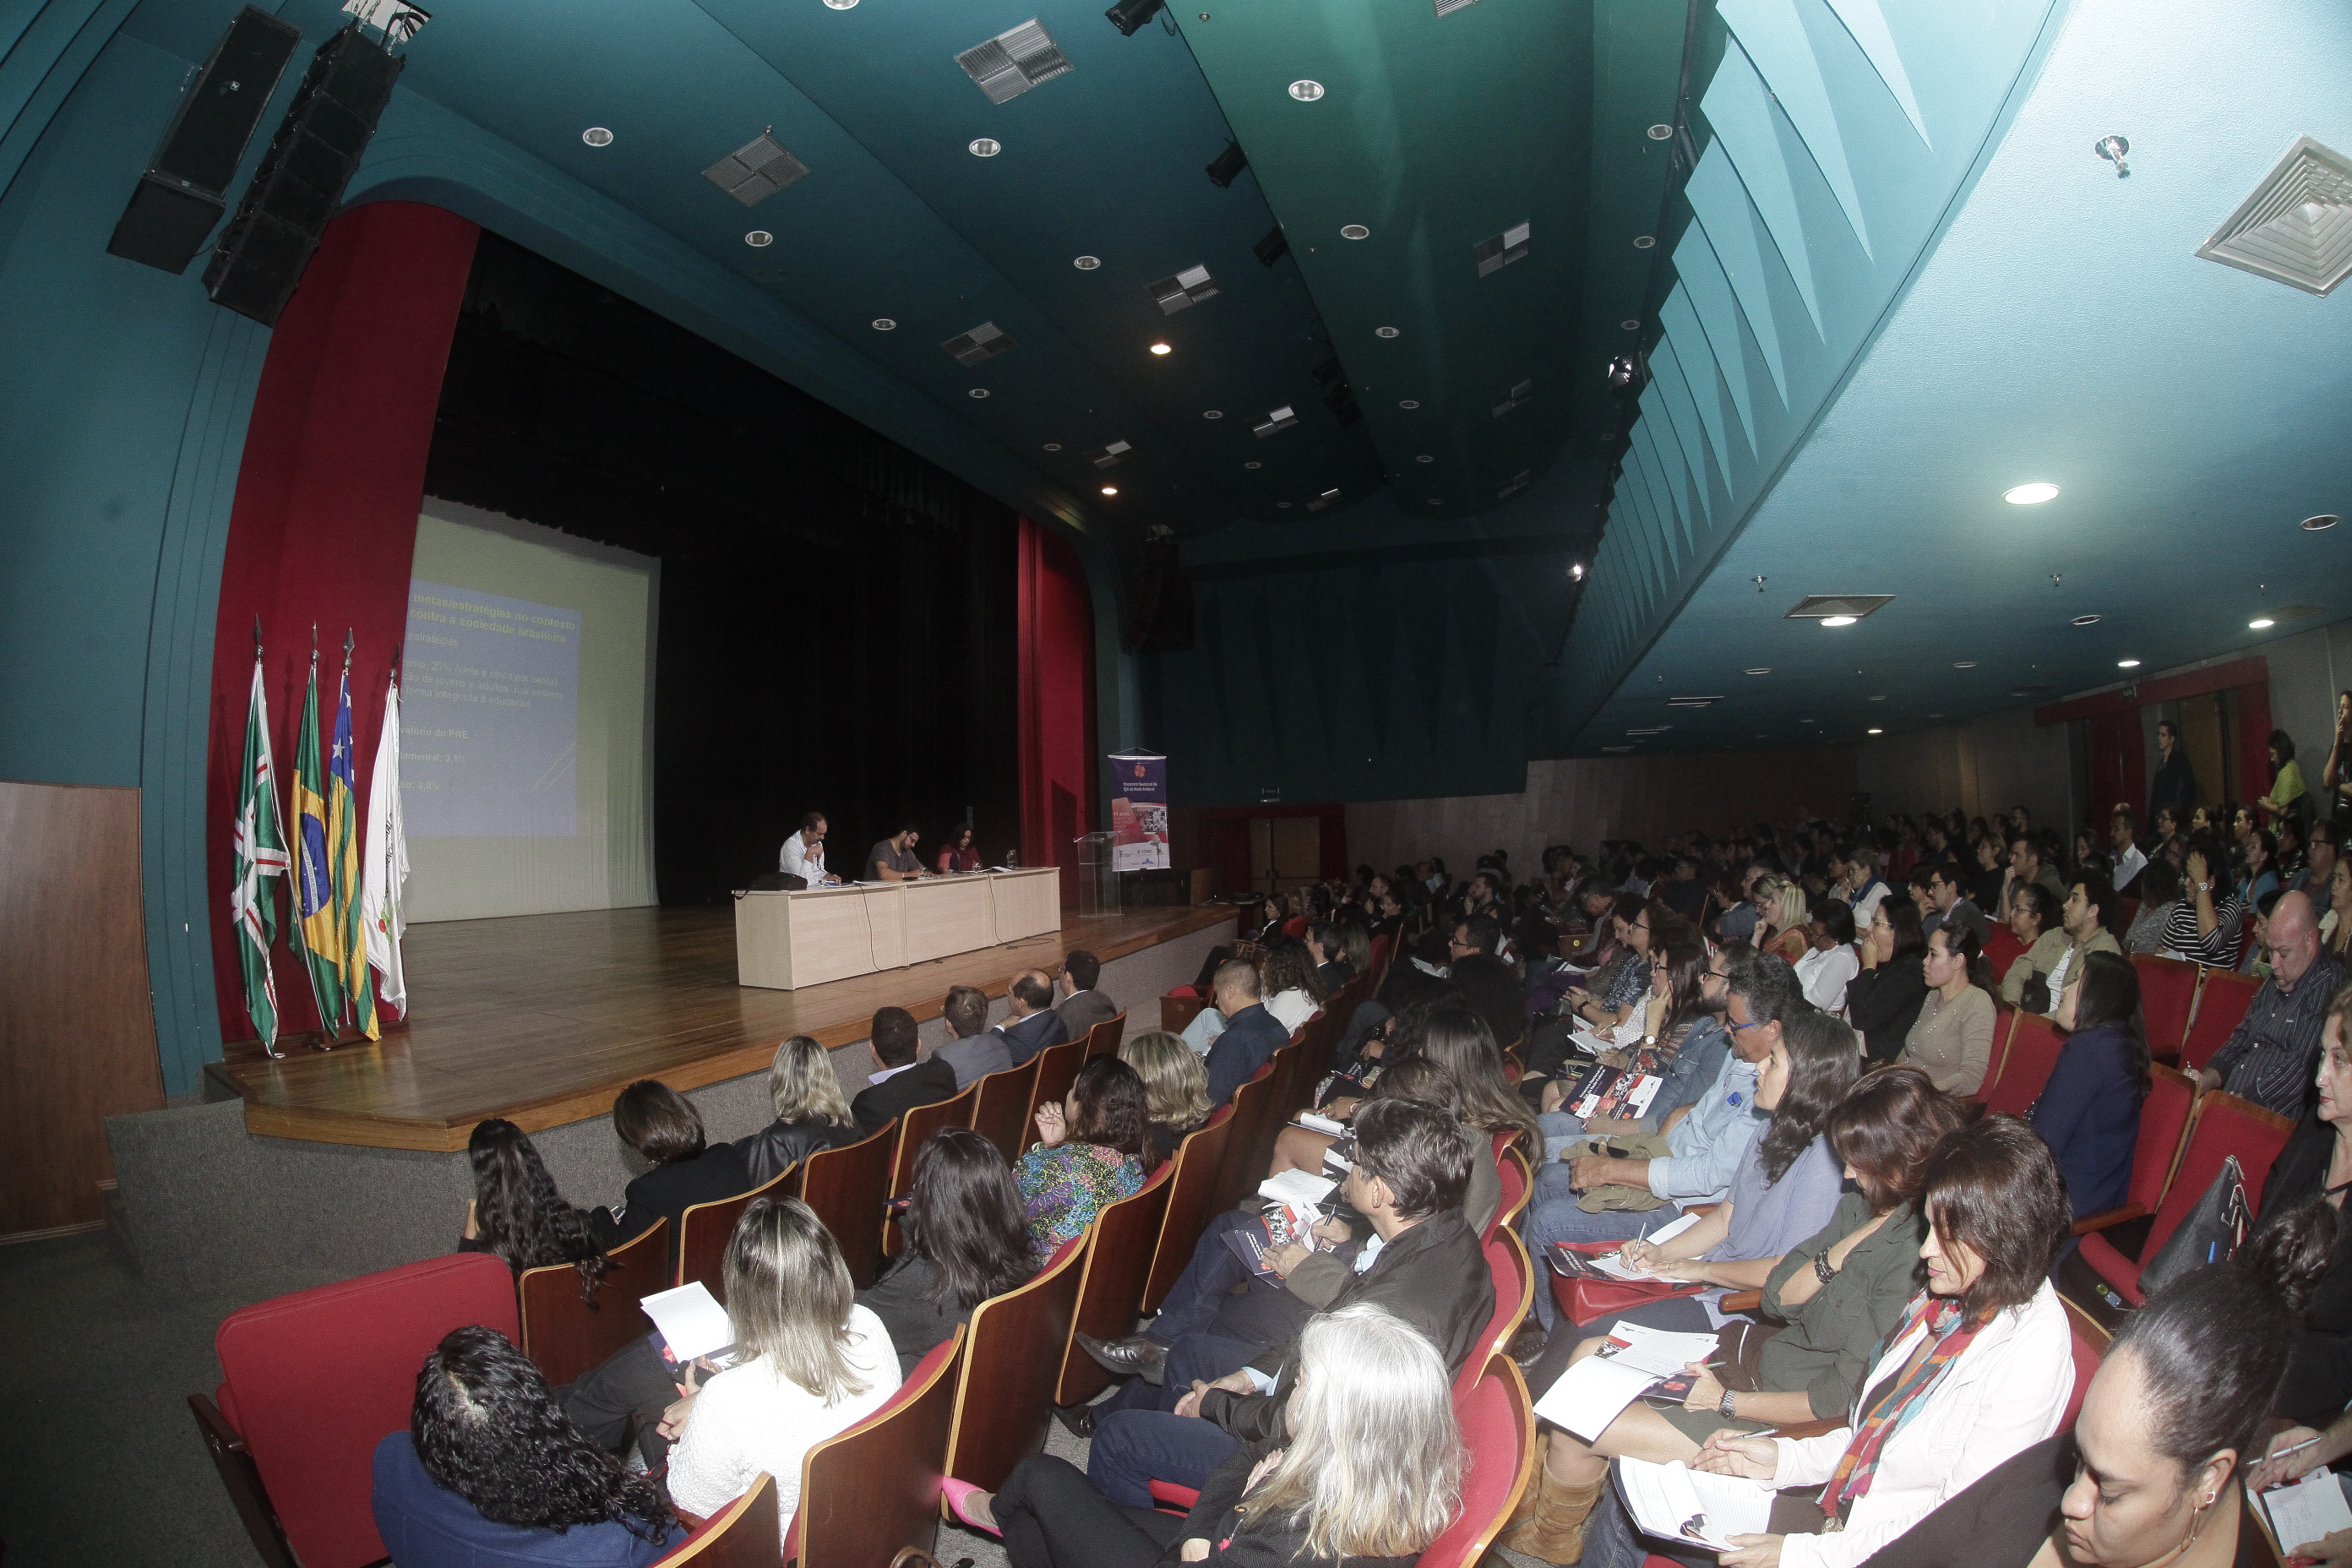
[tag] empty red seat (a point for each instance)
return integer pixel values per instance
(2222, 1004)
(2168, 990)
(2032, 1057)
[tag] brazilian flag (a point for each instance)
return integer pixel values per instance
(343, 860)
(315, 931)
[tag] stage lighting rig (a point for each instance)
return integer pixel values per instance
(1129, 15)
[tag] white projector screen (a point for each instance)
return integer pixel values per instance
(526, 770)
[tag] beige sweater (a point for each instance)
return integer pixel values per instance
(1952, 1041)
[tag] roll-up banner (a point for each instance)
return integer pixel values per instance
(1139, 812)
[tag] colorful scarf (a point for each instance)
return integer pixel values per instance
(1950, 1334)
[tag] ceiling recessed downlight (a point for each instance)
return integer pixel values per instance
(1110, 489)
(759, 239)
(1643, 241)
(2326, 519)
(885, 324)
(1575, 571)
(2127, 664)
(1839, 620)
(1163, 349)
(2033, 494)
(1086, 263)
(983, 147)
(1408, 403)
(1631, 324)
(1252, 464)
(1425, 457)
(1384, 332)
(1875, 731)
(1759, 670)
(1213, 413)
(1660, 132)
(2087, 620)
(840, 4)
(1305, 91)
(1053, 446)
(1964, 664)
(1354, 231)
(597, 136)
(2261, 623)
(977, 392)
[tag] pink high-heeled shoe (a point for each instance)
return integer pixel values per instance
(957, 1493)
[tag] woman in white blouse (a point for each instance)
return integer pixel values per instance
(808, 1363)
(1979, 1369)
(1824, 971)
(1287, 982)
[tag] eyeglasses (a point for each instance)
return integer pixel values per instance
(1755, 1024)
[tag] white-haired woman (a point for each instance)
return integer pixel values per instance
(809, 1361)
(811, 1115)
(1370, 1473)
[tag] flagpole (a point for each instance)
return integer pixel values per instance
(326, 1041)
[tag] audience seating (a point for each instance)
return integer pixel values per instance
(2165, 1117)
(2167, 993)
(1001, 1113)
(1103, 1039)
(2090, 1345)
(1514, 1296)
(2004, 1025)
(703, 1231)
(1180, 1006)
(2225, 1125)
(1245, 1163)
(846, 1188)
(1110, 1285)
(1192, 1198)
(870, 1492)
(741, 1535)
(1005, 1393)
(565, 1336)
(919, 1123)
(1498, 1428)
(314, 1379)
(2221, 1003)
(2032, 1056)
(1518, 1184)
(1057, 1070)
(2002, 949)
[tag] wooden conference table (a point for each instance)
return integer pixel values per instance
(785, 941)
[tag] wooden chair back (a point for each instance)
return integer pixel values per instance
(1180, 1006)
(872, 1491)
(1104, 1038)
(1518, 1184)
(1192, 1198)
(1498, 1428)
(846, 1188)
(1057, 1070)
(1110, 1287)
(1244, 1166)
(566, 1336)
(704, 1229)
(2225, 1125)
(2090, 1347)
(743, 1535)
(2034, 1045)
(2165, 1117)
(917, 1123)
(2223, 999)
(1514, 1296)
(998, 1115)
(1004, 1394)
(2167, 994)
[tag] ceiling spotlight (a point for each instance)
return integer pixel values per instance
(1759, 670)
(977, 392)
(1425, 457)
(1643, 241)
(1624, 371)
(1053, 446)
(759, 239)
(2314, 525)
(2087, 620)
(2127, 664)
(2261, 623)
(597, 136)
(1660, 132)
(1305, 91)
(1354, 231)
(1384, 332)
(1875, 731)
(2033, 494)
(983, 147)
(1631, 324)
(1253, 463)
(1213, 413)
(1575, 571)
(840, 4)
(1086, 263)
(1110, 489)
(1838, 620)
(1408, 403)
(1964, 664)
(1161, 349)
(885, 324)
(1129, 15)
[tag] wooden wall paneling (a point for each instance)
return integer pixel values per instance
(76, 1023)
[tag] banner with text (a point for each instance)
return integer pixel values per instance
(1139, 813)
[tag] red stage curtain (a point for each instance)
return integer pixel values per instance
(1057, 704)
(324, 525)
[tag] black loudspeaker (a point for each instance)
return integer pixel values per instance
(300, 181)
(182, 193)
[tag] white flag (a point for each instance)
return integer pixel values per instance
(384, 863)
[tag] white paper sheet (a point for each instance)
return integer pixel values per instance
(2308, 1510)
(1587, 1396)
(1661, 1354)
(691, 1320)
(1301, 1189)
(1315, 1123)
(1673, 1503)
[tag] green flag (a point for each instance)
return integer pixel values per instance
(260, 843)
(315, 929)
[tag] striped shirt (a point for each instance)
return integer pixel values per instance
(2271, 1054)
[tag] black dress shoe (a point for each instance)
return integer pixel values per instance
(1078, 1420)
(1528, 1344)
(1134, 1356)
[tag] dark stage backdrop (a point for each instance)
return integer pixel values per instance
(837, 620)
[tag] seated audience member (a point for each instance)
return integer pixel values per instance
(1617, 991)
(2154, 1469)
(1328, 950)
(1978, 1369)
(1286, 981)
(811, 1115)
(517, 1213)
(2309, 1171)
(2269, 1057)
(1883, 1000)
(1948, 892)
(2338, 922)
(1355, 949)
(2123, 839)
(967, 1240)
(2089, 1110)
(2159, 891)
(809, 1361)
(2208, 923)
(1739, 922)
(1952, 1041)
(1363, 1468)
(1175, 1086)
(491, 1475)
(1093, 1149)
(1082, 1006)
(2029, 867)
(2259, 874)
(1686, 1044)
(1837, 1294)
(1030, 1023)
(2088, 911)
(2256, 960)
(1491, 988)
(2322, 848)
(976, 1049)
(663, 1129)
(1700, 1153)
(2033, 919)
(1412, 1164)
(956, 851)
(1990, 878)
(1787, 932)
(1921, 883)
(1251, 1034)
(1863, 888)
(1684, 890)
(899, 1082)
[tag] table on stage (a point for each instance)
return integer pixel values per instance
(787, 939)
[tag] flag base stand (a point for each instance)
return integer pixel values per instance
(326, 1039)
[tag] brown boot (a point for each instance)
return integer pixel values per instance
(1526, 1504)
(1555, 1531)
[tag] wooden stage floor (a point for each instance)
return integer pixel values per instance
(544, 1018)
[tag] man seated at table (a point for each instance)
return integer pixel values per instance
(1031, 1025)
(804, 854)
(1082, 1005)
(893, 859)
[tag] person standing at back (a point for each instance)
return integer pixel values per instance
(1083, 1006)
(2174, 784)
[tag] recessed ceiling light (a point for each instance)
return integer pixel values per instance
(1384, 332)
(2314, 525)
(977, 392)
(1760, 669)
(597, 136)
(1110, 489)
(1575, 571)
(885, 324)
(1631, 324)
(1425, 457)
(1875, 731)
(840, 4)
(1408, 403)
(1354, 231)
(1808, 720)
(1880, 698)
(1053, 446)
(2033, 494)
(1161, 349)
(2261, 623)
(1838, 620)
(1282, 505)
(2087, 620)
(759, 239)
(1935, 715)
(1213, 413)
(2127, 664)
(983, 147)
(1660, 132)
(1643, 241)
(1253, 464)
(1437, 501)
(1964, 664)
(1086, 263)
(1305, 91)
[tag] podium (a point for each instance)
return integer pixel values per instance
(785, 940)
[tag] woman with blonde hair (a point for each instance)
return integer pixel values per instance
(1175, 1086)
(1787, 916)
(811, 1115)
(808, 1363)
(1366, 1470)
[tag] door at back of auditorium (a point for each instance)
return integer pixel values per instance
(1286, 852)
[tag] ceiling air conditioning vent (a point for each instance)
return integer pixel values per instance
(757, 170)
(980, 344)
(1515, 484)
(1820, 606)
(2286, 613)
(2297, 225)
(1694, 701)
(1014, 61)
(1275, 421)
(1187, 288)
(1616, 748)
(2030, 691)
(1111, 455)
(1506, 248)
(1512, 398)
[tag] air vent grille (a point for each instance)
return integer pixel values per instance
(1518, 394)
(2297, 227)
(1515, 484)
(1694, 701)
(1110, 456)
(1014, 61)
(757, 170)
(980, 344)
(2030, 691)
(1275, 421)
(1183, 292)
(1816, 606)
(1326, 498)
(1506, 248)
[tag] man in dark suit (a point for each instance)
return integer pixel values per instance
(977, 1050)
(1323, 942)
(899, 1082)
(1083, 1006)
(1032, 1025)
(1251, 1033)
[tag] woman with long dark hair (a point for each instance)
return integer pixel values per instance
(1093, 1149)
(2208, 924)
(2089, 1110)
(967, 1240)
(956, 851)
(517, 1213)
(1882, 1001)
(1951, 1040)
(490, 1472)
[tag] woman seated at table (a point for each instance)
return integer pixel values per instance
(1979, 1368)
(1092, 1150)
(489, 1473)
(811, 1115)
(1175, 1086)
(517, 1213)
(1951, 1040)
(956, 851)
(967, 1240)
(2089, 1110)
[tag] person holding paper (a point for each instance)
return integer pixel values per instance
(1689, 987)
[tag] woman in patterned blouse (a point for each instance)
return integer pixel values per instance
(1093, 1149)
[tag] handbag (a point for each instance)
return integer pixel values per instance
(1739, 1354)
(1583, 1300)
(2212, 1233)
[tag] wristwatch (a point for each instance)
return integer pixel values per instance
(1729, 1405)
